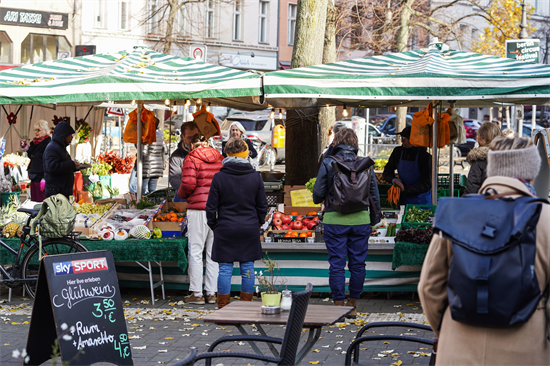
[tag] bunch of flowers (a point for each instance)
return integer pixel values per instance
(84, 132)
(13, 160)
(118, 164)
(99, 168)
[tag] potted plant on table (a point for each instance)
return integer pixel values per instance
(269, 282)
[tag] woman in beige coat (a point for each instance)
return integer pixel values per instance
(513, 164)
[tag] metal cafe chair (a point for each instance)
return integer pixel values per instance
(289, 343)
(353, 349)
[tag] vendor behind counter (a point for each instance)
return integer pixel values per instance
(414, 167)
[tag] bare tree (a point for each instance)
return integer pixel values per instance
(327, 115)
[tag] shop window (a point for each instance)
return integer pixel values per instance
(99, 14)
(5, 48)
(43, 47)
(210, 22)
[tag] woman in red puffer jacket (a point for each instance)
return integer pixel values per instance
(198, 169)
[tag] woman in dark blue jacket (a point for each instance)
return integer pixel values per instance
(346, 235)
(58, 167)
(235, 211)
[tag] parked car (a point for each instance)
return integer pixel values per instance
(386, 122)
(526, 128)
(258, 124)
(542, 118)
(471, 126)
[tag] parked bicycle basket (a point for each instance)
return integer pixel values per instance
(55, 219)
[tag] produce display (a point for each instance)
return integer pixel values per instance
(310, 184)
(140, 232)
(173, 214)
(145, 204)
(415, 214)
(10, 230)
(91, 208)
(300, 222)
(380, 179)
(379, 164)
(414, 235)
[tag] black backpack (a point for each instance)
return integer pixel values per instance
(492, 280)
(351, 184)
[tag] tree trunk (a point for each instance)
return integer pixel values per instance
(402, 46)
(327, 115)
(167, 43)
(302, 124)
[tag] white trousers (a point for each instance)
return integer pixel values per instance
(200, 237)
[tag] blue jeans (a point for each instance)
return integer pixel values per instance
(148, 185)
(225, 273)
(353, 242)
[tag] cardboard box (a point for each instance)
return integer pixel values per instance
(288, 239)
(301, 210)
(121, 201)
(288, 189)
(176, 228)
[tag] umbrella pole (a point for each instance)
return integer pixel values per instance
(452, 164)
(139, 172)
(434, 156)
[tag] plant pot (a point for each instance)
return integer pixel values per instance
(271, 299)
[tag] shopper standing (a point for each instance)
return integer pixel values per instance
(477, 157)
(58, 167)
(512, 166)
(237, 131)
(235, 211)
(346, 235)
(188, 130)
(35, 151)
(199, 168)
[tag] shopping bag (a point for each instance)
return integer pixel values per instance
(456, 123)
(421, 126)
(148, 129)
(206, 123)
(443, 132)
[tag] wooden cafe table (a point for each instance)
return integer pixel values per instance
(239, 313)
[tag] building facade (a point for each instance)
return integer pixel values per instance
(234, 33)
(36, 31)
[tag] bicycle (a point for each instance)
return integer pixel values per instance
(24, 270)
(266, 155)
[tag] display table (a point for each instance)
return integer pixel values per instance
(408, 254)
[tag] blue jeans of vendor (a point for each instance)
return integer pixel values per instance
(148, 185)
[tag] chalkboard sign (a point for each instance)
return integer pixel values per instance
(78, 303)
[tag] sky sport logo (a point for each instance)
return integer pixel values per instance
(80, 266)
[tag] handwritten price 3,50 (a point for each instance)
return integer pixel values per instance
(108, 307)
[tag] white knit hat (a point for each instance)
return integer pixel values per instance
(516, 163)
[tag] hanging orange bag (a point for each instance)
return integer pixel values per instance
(206, 123)
(443, 132)
(421, 126)
(148, 127)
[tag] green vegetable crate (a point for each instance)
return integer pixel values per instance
(383, 189)
(459, 180)
(444, 192)
(423, 225)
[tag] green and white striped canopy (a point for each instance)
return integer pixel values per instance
(412, 79)
(141, 74)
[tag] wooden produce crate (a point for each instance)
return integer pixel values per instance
(277, 236)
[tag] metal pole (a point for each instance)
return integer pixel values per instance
(139, 172)
(434, 157)
(366, 139)
(534, 119)
(169, 149)
(452, 160)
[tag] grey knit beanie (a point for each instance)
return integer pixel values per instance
(516, 163)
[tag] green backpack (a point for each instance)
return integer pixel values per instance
(56, 217)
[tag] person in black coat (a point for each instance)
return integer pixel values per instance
(36, 154)
(58, 167)
(235, 211)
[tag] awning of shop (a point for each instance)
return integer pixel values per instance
(284, 65)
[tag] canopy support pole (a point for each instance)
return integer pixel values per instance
(72, 116)
(452, 158)
(169, 150)
(139, 173)
(434, 156)
(534, 119)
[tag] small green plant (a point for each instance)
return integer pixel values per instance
(310, 184)
(270, 283)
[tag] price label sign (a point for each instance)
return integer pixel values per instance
(78, 304)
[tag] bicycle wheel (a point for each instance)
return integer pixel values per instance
(31, 263)
(264, 157)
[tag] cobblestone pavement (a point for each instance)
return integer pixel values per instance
(163, 333)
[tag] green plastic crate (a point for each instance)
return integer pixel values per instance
(444, 192)
(459, 180)
(383, 188)
(423, 225)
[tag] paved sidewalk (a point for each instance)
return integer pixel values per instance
(163, 333)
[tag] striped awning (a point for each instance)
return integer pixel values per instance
(141, 74)
(412, 79)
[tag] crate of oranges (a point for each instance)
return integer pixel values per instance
(171, 219)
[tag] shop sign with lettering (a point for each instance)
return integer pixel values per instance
(34, 18)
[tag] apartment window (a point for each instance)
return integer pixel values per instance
(99, 14)
(210, 25)
(542, 7)
(153, 16)
(123, 11)
(237, 20)
(291, 23)
(263, 21)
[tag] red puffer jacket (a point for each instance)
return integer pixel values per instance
(197, 172)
